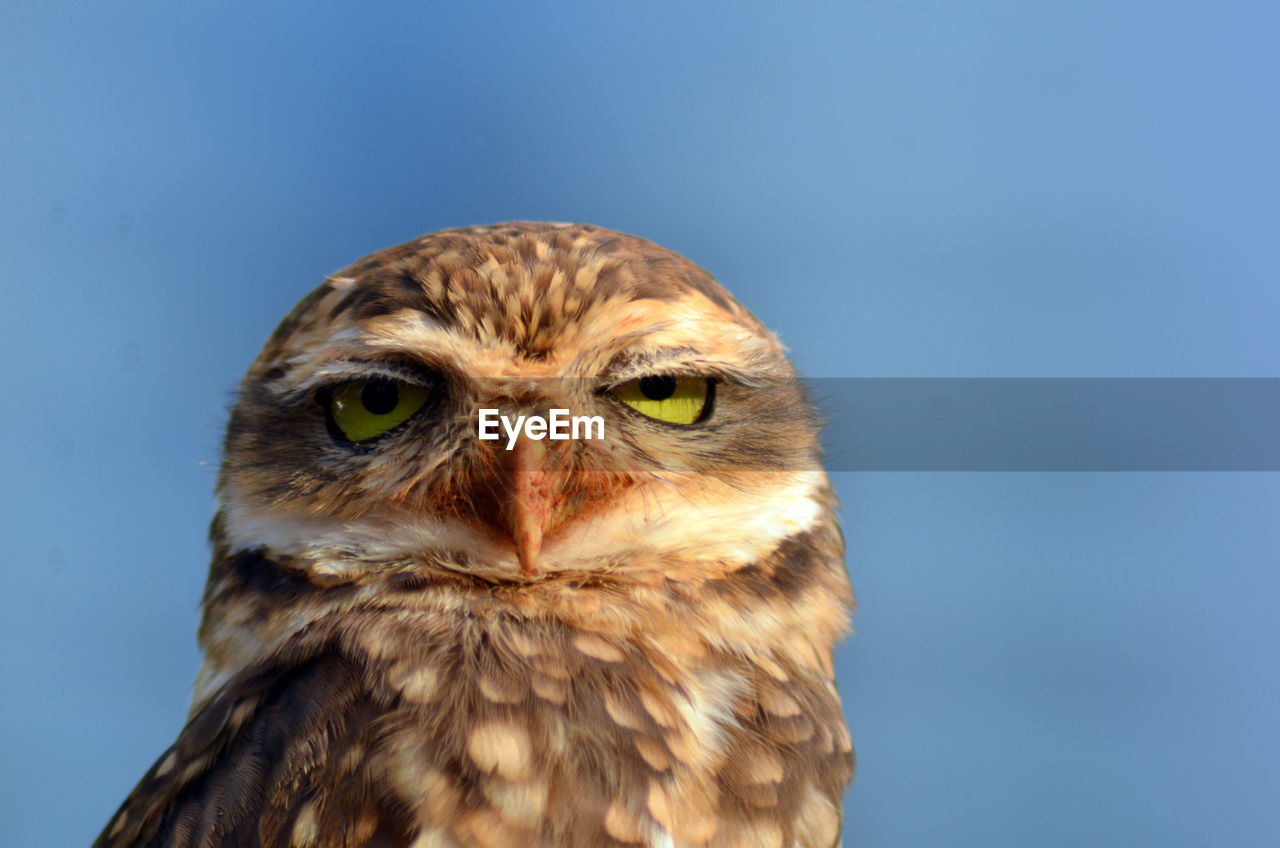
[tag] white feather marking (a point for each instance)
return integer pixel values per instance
(361, 540)
(707, 708)
(653, 525)
(727, 526)
(660, 837)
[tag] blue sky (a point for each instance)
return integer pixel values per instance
(920, 189)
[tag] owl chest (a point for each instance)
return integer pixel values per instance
(573, 740)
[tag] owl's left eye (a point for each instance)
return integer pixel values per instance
(673, 400)
(365, 409)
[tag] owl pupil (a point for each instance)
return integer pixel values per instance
(658, 388)
(380, 396)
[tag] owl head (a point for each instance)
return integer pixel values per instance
(415, 633)
(361, 443)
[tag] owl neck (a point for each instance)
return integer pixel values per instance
(790, 606)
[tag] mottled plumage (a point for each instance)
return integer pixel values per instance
(425, 639)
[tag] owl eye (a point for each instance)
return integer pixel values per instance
(364, 409)
(675, 400)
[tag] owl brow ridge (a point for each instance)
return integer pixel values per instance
(677, 361)
(340, 370)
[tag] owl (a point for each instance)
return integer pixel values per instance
(416, 636)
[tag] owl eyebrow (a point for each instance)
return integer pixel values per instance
(668, 360)
(344, 370)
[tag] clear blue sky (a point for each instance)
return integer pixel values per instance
(898, 188)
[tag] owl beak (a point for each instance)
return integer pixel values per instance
(528, 505)
(532, 491)
(534, 496)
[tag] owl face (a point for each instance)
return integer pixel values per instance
(355, 443)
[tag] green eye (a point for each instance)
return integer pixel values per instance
(675, 400)
(368, 408)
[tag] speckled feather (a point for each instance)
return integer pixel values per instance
(380, 671)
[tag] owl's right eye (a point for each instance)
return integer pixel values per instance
(365, 409)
